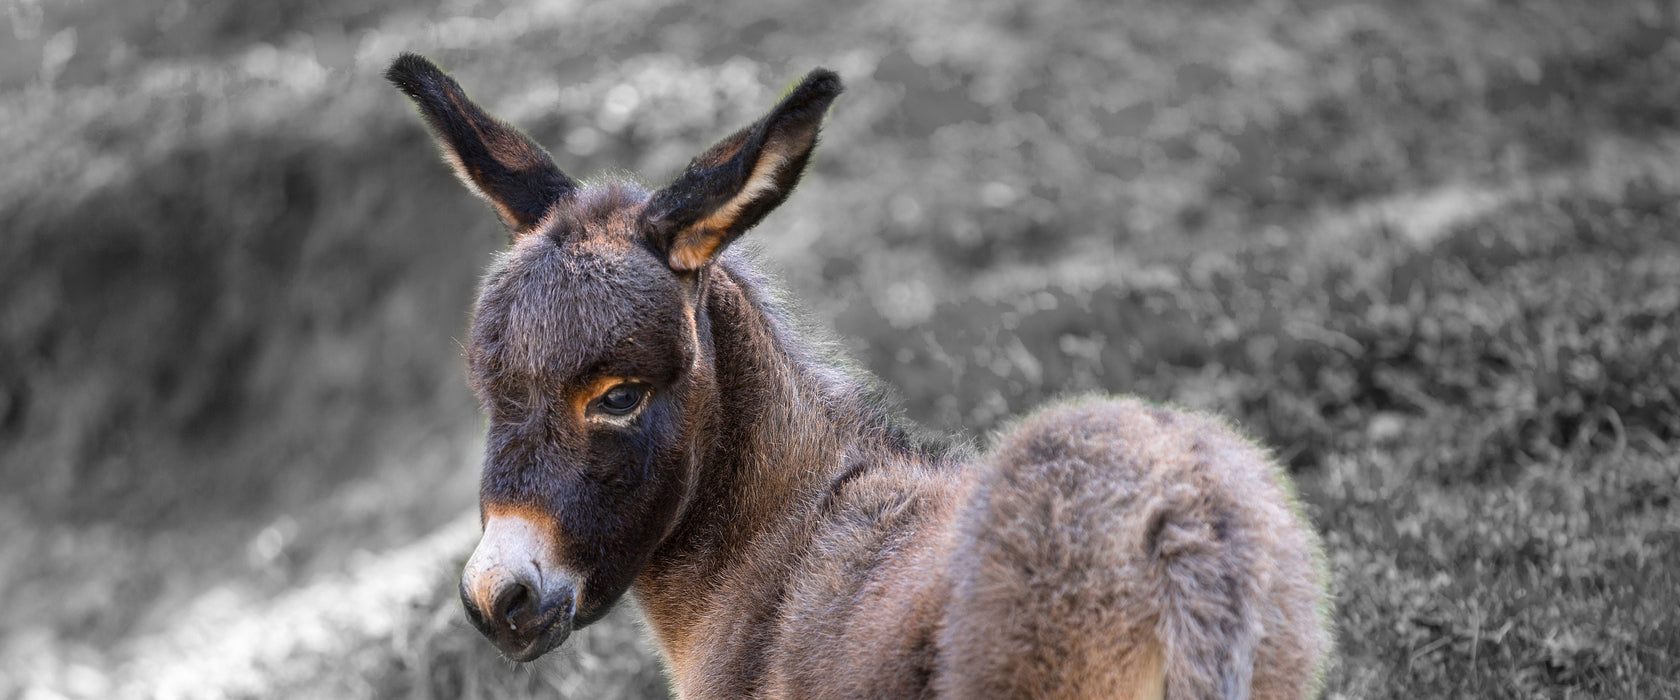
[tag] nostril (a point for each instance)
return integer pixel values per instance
(513, 603)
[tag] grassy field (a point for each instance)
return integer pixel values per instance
(1428, 251)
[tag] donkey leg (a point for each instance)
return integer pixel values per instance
(1115, 549)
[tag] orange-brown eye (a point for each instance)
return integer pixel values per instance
(622, 399)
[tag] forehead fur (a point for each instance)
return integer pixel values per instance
(569, 296)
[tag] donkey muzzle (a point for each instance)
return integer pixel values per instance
(514, 592)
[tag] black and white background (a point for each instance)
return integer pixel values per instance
(1428, 251)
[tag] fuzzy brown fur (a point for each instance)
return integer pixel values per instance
(784, 536)
(1125, 539)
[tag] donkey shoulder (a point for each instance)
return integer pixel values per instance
(861, 612)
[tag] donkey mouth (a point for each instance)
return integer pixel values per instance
(524, 638)
(545, 641)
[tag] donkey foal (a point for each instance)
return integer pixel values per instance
(658, 426)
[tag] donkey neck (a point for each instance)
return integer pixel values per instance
(784, 420)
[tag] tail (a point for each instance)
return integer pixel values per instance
(1116, 549)
(1199, 577)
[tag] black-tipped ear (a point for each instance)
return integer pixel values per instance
(734, 184)
(495, 160)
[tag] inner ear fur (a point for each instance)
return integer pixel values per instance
(730, 187)
(493, 159)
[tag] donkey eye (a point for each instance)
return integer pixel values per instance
(622, 399)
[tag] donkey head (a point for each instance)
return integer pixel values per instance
(590, 352)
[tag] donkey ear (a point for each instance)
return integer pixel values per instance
(495, 160)
(734, 184)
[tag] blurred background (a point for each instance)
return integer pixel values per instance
(1428, 251)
